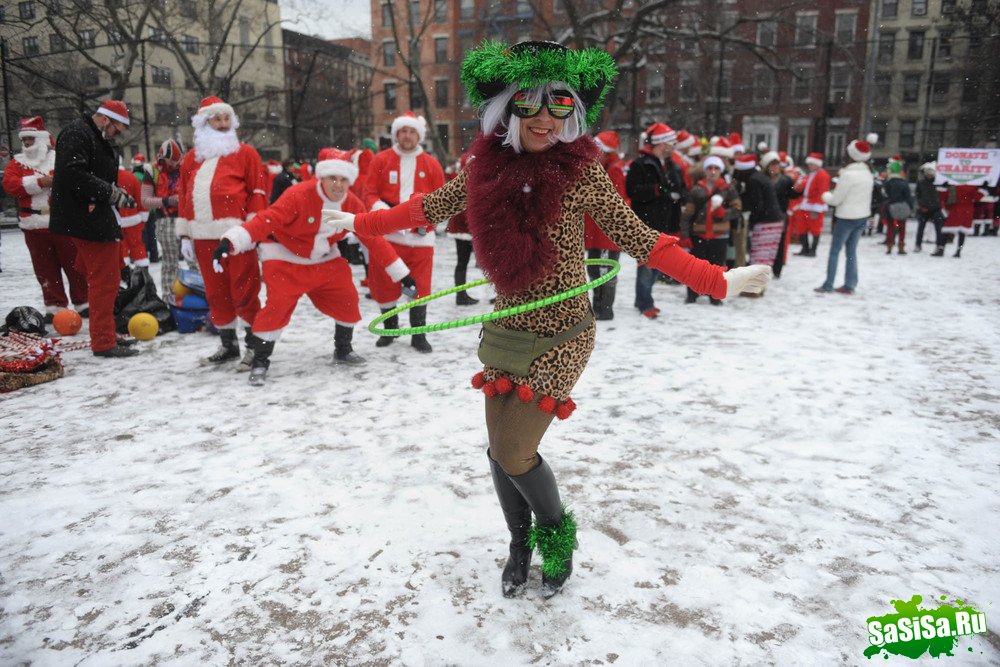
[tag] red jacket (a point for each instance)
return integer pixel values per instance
(960, 210)
(593, 237)
(393, 178)
(168, 184)
(219, 193)
(130, 217)
(21, 182)
(817, 183)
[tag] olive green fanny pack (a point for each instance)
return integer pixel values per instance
(513, 351)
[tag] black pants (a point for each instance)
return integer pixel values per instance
(710, 250)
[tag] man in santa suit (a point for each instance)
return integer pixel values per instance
(597, 242)
(28, 179)
(164, 200)
(222, 184)
(395, 174)
(300, 257)
(131, 220)
(812, 209)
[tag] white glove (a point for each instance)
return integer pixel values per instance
(187, 251)
(716, 201)
(753, 279)
(338, 219)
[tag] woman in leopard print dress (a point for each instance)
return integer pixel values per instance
(533, 177)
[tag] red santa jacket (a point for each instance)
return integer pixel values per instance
(168, 184)
(362, 159)
(960, 207)
(20, 181)
(593, 237)
(291, 229)
(393, 177)
(130, 217)
(219, 193)
(817, 183)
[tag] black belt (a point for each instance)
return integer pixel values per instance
(31, 211)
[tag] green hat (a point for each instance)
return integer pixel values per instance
(487, 70)
(895, 167)
(370, 144)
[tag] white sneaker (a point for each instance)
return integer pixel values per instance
(246, 361)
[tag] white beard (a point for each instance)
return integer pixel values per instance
(209, 143)
(36, 155)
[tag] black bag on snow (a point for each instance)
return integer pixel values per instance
(140, 297)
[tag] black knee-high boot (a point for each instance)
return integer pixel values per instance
(517, 514)
(418, 318)
(261, 361)
(391, 323)
(554, 531)
(343, 351)
(463, 298)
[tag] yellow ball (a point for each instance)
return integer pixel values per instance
(180, 289)
(143, 326)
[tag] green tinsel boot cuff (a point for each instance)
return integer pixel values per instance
(554, 543)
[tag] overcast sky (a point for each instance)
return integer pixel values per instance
(328, 18)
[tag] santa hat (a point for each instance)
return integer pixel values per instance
(815, 158)
(859, 151)
(695, 149)
(335, 162)
(768, 158)
(786, 160)
(273, 167)
(608, 141)
(685, 140)
(660, 133)
(32, 127)
(872, 138)
(213, 106)
(410, 119)
(720, 146)
(929, 167)
(736, 142)
(115, 110)
(170, 152)
(713, 161)
(138, 159)
(745, 162)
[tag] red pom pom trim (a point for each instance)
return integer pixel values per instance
(563, 411)
(478, 380)
(490, 389)
(547, 404)
(504, 385)
(525, 393)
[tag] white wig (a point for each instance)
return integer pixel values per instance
(497, 118)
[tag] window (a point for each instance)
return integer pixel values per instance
(802, 83)
(414, 13)
(915, 47)
(948, 6)
(165, 114)
(944, 46)
(935, 133)
(89, 76)
(975, 38)
(162, 76)
(440, 11)
(244, 32)
(687, 84)
(890, 9)
(442, 130)
(441, 93)
(29, 46)
(886, 46)
(158, 35)
(523, 8)
(465, 44)
(88, 38)
(797, 139)
(883, 89)
(911, 88)
(763, 85)
(881, 128)
(722, 88)
(440, 50)
(907, 130)
(766, 31)
(115, 38)
(386, 15)
(918, 8)
(970, 90)
(26, 10)
(805, 29)
(416, 97)
(840, 82)
(467, 9)
(390, 96)
(389, 53)
(654, 88)
(188, 8)
(939, 87)
(189, 43)
(56, 43)
(835, 142)
(493, 7)
(844, 28)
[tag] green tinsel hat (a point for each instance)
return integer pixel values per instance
(486, 71)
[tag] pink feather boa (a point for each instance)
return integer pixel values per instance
(513, 201)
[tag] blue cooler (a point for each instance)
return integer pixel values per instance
(191, 315)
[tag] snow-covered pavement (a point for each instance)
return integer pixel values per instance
(752, 482)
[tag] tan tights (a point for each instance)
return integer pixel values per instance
(515, 430)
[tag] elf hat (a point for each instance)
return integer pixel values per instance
(335, 162)
(489, 69)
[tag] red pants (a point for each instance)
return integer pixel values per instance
(891, 228)
(330, 286)
(133, 245)
(420, 260)
(233, 293)
(808, 222)
(99, 262)
(51, 256)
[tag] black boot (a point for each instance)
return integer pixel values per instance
(598, 301)
(814, 246)
(554, 531)
(343, 352)
(418, 318)
(517, 513)
(229, 349)
(938, 252)
(261, 359)
(958, 252)
(804, 239)
(604, 309)
(391, 323)
(462, 298)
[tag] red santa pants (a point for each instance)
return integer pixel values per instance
(99, 263)
(233, 293)
(809, 222)
(420, 260)
(51, 256)
(133, 246)
(330, 286)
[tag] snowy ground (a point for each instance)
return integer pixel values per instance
(752, 482)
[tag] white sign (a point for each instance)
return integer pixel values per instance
(968, 166)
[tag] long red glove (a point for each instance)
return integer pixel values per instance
(407, 215)
(701, 276)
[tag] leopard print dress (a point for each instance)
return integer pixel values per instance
(553, 375)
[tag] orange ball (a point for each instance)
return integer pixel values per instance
(143, 326)
(180, 290)
(67, 322)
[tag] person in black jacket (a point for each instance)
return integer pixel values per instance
(928, 205)
(85, 193)
(785, 189)
(284, 180)
(760, 203)
(655, 186)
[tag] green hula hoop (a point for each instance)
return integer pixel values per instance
(614, 267)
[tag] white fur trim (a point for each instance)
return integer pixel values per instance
(215, 109)
(129, 220)
(419, 124)
(348, 325)
(397, 270)
(33, 221)
(240, 238)
(813, 207)
(321, 247)
(856, 154)
(687, 143)
(30, 184)
(872, 138)
(337, 168)
(388, 304)
(722, 152)
(380, 206)
(826, 197)
(812, 160)
(713, 160)
(269, 335)
(275, 252)
(141, 262)
(201, 190)
(113, 116)
(211, 230)
(602, 146)
(182, 227)
(460, 235)
(769, 157)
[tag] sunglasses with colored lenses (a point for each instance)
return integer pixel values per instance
(559, 103)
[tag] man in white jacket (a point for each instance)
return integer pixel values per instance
(851, 200)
